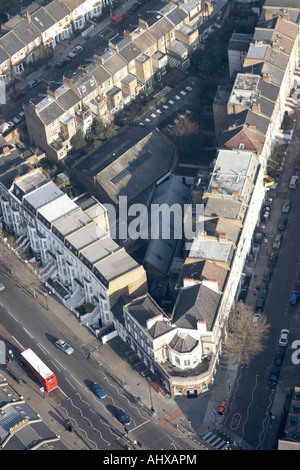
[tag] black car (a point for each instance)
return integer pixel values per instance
(260, 305)
(268, 275)
(273, 378)
(122, 417)
(63, 62)
(278, 360)
(263, 291)
(135, 7)
(283, 223)
(273, 260)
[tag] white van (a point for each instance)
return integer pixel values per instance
(293, 182)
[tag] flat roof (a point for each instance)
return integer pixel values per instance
(56, 208)
(43, 195)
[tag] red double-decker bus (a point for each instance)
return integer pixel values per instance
(39, 370)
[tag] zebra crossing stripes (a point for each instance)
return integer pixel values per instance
(215, 440)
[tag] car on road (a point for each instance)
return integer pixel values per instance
(263, 291)
(19, 95)
(2, 287)
(75, 51)
(282, 223)
(273, 377)
(6, 126)
(286, 206)
(279, 356)
(122, 417)
(297, 164)
(294, 299)
(284, 337)
(99, 391)
(260, 305)
(63, 62)
(19, 117)
(273, 260)
(33, 83)
(277, 241)
(268, 275)
(63, 346)
(222, 408)
(135, 7)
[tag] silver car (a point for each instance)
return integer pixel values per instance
(63, 346)
(2, 287)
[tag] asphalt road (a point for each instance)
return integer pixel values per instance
(252, 398)
(32, 325)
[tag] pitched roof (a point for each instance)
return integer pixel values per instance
(251, 139)
(194, 304)
(183, 343)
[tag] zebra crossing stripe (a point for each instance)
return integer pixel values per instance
(207, 435)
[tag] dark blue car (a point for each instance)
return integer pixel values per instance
(122, 417)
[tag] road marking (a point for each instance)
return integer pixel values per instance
(13, 316)
(31, 336)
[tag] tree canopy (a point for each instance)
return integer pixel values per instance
(247, 335)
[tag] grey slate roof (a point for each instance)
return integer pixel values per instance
(51, 112)
(143, 309)
(196, 303)
(183, 344)
(26, 32)
(11, 43)
(98, 71)
(161, 249)
(40, 18)
(3, 55)
(131, 164)
(57, 9)
(177, 16)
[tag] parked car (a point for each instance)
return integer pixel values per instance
(273, 377)
(6, 126)
(260, 305)
(63, 62)
(284, 337)
(19, 117)
(63, 346)
(33, 83)
(2, 287)
(268, 275)
(294, 299)
(18, 95)
(122, 417)
(297, 164)
(135, 7)
(75, 51)
(298, 277)
(278, 360)
(222, 408)
(283, 223)
(277, 241)
(273, 260)
(99, 391)
(263, 292)
(286, 206)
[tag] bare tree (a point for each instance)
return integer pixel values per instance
(247, 335)
(183, 128)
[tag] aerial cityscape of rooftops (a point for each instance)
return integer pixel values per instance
(150, 265)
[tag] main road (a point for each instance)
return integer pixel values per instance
(32, 325)
(252, 398)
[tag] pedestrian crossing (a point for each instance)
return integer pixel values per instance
(215, 440)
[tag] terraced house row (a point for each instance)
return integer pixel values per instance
(182, 346)
(37, 27)
(185, 347)
(115, 75)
